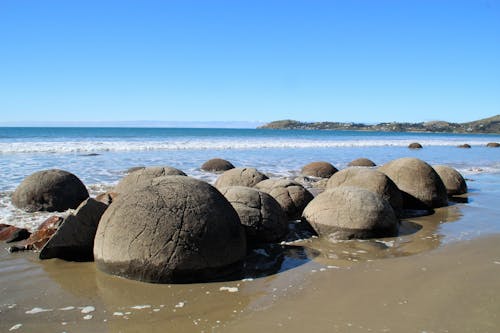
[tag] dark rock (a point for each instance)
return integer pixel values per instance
(493, 145)
(465, 145)
(291, 196)
(371, 180)
(362, 162)
(40, 237)
(260, 214)
(240, 177)
(74, 239)
(10, 233)
(217, 165)
(415, 145)
(142, 176)
(351, 212)
(453, 181)
(421, 186)
(175, 229)
(49, 190)
(319, 169)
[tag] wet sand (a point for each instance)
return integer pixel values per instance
(440, 275)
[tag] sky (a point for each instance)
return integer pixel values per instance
(182, 60)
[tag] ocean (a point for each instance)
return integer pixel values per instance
(449, 264)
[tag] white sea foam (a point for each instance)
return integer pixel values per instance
(85, 147)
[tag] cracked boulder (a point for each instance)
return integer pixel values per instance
(217, 165)
(421, 186)
(240, 177)
(453, 181)
(50, 190)
(142, 176)
(351, 212)
(174, 229)
(259, 213)
(292, 196)
(372, 180)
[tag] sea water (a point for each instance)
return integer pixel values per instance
(101, 156)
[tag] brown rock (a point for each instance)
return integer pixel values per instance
(453, 181)
(362, 162)
(217, 165)
(107, 197)
(40, 237)
(415, 145)
(142, 176)
(319, 169)
(465, 145)
(240, 177)
(493, 145)
(10, 233)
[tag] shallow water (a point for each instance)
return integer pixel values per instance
(438, 275)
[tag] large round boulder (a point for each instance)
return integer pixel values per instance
(291, 196)
(362, 162)
(452, 179)
(142, 176)
(175, 229)
(351, 212)
(260, 214)
(319, 169)
(240, 177)
(372, 180)
(421, 186)
(50, 190)
(217, 165)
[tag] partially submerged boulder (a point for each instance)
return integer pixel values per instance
(493, 145)
(372, 180)
(74, 239)
(465, 145)
(421, 186)
(291, 196)
(319, 169)
(142, 176)
(362, 162)
(453, 181)
(217, 165)
(175, 229)
(260, 214)
(50, 190)
(415, 145)
(240, 177)
(351, 212)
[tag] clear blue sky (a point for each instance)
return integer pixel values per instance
(364, 61)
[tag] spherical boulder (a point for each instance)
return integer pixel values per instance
(493, 145)
(144, 175)
(260, 214)
(347, 212)
(50, 190)
(240, 177)
(415, 145)
(362, 162)
(372, 180)
(175, 229)
(291, 196)
(421, 186)
(465, 145)
(217, 165)
(319, 169)
(452, 179)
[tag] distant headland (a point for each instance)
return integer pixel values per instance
(487, 125)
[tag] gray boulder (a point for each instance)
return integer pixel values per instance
(74, 239)
(362, 162)
(240, 177)
(217, 165)
(421, 186)
(50, 190)
(351, 212)
(319, 169)
(175, 229)
(372, 180)
(291, 196)
(260, 214)
(452, 179)
(143, 176)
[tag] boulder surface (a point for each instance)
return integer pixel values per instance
(240, 177)
(319, 169)
(452, 179)
(142, 176)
